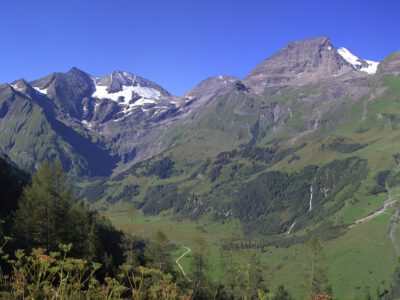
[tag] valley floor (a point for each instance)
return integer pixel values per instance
(361, 260)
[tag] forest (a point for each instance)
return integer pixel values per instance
(54, 247)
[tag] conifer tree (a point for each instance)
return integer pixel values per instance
(159, 253)
(44, 208)
(199, 266)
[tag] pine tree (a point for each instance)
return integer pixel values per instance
(47, 216)
(199, 266)
(41, 219)
(227, 263)
(62, 202)
(249, 277)
(158, 252)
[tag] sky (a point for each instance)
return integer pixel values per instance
(178, 43)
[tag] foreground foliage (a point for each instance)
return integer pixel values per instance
(57, 276)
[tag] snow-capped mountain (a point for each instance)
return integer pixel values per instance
(122, 118)
(132, 93)
(128, 89)
(363, 65)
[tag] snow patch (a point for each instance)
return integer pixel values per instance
(349, 57)
(357, 62)
(372, 67)
(42, 91)
(127, 93)
(15, 87)
(143, 101)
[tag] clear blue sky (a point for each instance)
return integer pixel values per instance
(178, 43)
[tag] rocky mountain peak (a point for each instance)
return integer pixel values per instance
(66, 90)
(20, 85)
(74, 79)
(77, 71)
(117, 81)
(299, 63)
(212, 85)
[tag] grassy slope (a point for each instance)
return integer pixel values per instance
(363, 258)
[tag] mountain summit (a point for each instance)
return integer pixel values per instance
(305, 62)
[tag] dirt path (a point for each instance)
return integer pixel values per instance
(179, 258)
(388, 202)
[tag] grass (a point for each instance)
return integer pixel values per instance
(361, 259)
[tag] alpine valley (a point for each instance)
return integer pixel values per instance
(307, 145)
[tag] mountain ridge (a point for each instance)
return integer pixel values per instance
(132, 118)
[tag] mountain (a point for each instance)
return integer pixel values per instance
(272, 160)
(305, 145)
(309, 61)
(121, 118)
(276, 136)
(81, 119)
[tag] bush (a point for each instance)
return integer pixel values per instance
(340, 145)
(377, 189)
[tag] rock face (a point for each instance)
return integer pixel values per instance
(100, 125)
(300, 63)
(391, 65)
